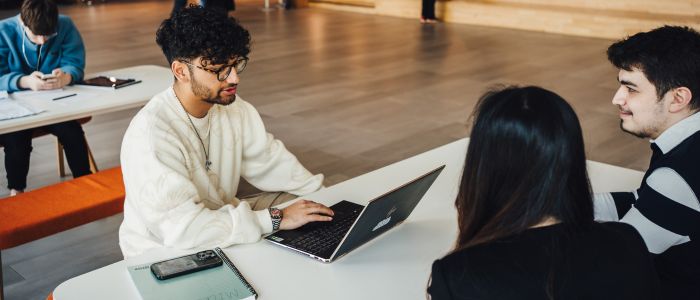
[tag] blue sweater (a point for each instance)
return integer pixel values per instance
(65, 51)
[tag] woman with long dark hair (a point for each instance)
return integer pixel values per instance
(525, 212)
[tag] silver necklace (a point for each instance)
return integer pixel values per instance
(207, 164)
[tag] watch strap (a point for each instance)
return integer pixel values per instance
(276, 216)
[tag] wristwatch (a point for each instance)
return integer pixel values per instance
(276, 215)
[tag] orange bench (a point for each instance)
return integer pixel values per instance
(56, 208)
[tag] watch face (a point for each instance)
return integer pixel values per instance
(275, 213)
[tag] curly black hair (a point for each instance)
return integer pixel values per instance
(195, 31)
(669, 56)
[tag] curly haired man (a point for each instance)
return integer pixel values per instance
(184, 153)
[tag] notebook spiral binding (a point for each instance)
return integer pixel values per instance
(228, 262)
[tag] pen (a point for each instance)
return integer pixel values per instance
(63, 97)
(127, 84)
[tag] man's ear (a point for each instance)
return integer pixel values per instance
(180, 70)
(680, 100)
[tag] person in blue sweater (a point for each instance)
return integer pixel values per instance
(40, 43)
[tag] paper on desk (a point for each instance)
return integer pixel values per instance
(12, 109)
(40, 95)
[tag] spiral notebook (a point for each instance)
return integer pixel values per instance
(223, 282)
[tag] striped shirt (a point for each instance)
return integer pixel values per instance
(665, 209)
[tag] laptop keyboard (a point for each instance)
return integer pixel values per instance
(326, 235)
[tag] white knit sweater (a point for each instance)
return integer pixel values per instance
(173, 201)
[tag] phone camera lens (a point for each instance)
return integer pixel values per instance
(205, 255)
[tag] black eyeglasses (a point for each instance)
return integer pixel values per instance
(223, 72)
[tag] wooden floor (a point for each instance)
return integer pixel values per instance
(346, 92)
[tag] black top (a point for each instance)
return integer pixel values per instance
(608, 261)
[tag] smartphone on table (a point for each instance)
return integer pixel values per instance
(186, 264)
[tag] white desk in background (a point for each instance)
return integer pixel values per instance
(396, 265)
(91, 101)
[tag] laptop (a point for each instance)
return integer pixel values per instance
(353, 224)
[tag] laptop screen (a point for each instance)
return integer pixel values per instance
(384, 212)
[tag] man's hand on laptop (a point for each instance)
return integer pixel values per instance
(302, 212)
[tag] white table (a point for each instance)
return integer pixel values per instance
(154, 80)
(396, 265)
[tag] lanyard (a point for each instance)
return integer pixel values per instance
(24, 52)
